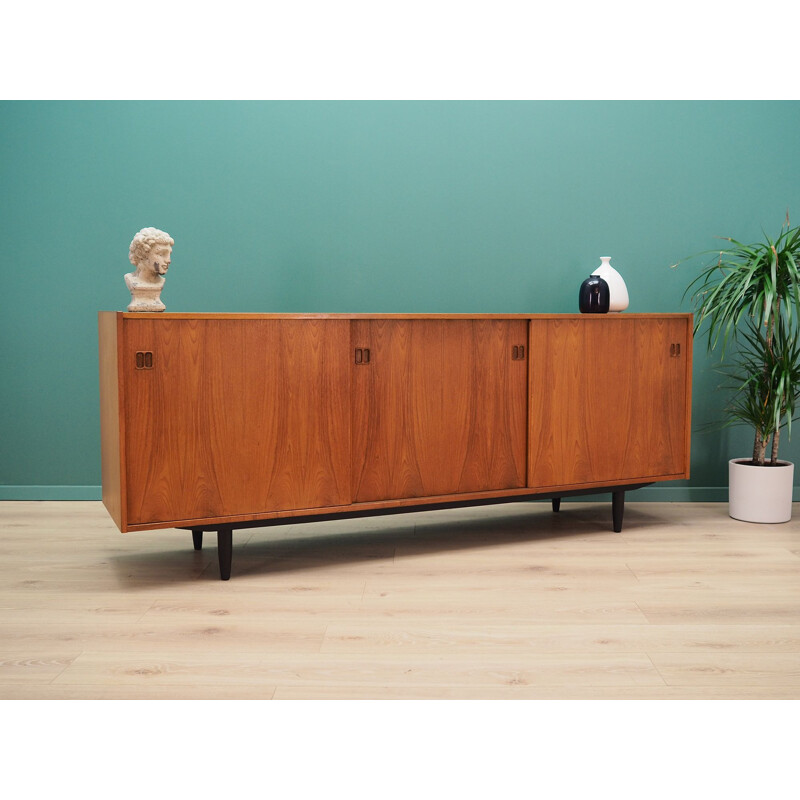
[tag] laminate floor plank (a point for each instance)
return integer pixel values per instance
(141, 691)
(500, 604)
(167, 667)
(23, 667)
(504, 602)
(621, 669)
(765, 692)
(266, 605)
(296, 635)
(356, 636)
(744, 611)
(735, 669)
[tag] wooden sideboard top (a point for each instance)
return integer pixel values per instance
(311, 315)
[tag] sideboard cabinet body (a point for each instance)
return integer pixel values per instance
(214, 419)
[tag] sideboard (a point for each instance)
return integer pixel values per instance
(225, 421)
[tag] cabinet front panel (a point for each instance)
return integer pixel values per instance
(439, 408)
(229, 417)
(608, 400)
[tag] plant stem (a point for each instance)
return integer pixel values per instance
(759, 449)
(775, 439)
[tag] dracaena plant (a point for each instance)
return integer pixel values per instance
(765, 384)
(750, 297)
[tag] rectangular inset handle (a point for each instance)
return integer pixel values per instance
(144, 359)
(362, 355)
(675, 349)
(518, 352)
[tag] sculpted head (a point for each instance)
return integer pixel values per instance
(150, 253)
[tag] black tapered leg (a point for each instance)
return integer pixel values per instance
(617, 509)
(225, 551)
(556, 504)
(197, 538)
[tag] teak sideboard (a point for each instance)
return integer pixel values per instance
(225, 421)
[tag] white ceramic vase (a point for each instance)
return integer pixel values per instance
(617, 289)
(760, 494)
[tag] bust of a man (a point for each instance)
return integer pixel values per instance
(150, 253)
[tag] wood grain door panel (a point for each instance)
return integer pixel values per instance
(236, 417)
(485, 403)
(440, 408)
(608, 400)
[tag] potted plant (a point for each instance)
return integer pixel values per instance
(750, 297)
(766, 387)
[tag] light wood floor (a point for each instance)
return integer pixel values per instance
(500, 602)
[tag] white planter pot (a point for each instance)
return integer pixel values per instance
(760, 494)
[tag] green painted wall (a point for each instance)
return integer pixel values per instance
(357, 206)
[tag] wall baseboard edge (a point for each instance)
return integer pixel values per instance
(50, 492)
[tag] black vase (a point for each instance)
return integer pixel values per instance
(594, 296)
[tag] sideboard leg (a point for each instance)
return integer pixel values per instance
(197, 538)
(617, 509)
(225, 551)
(556, 504)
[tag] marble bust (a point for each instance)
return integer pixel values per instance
(150, 253)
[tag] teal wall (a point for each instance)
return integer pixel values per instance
(358, 206)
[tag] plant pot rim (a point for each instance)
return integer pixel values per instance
(748, 462)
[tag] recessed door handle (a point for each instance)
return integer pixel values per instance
(144, 359)
(362, 355)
